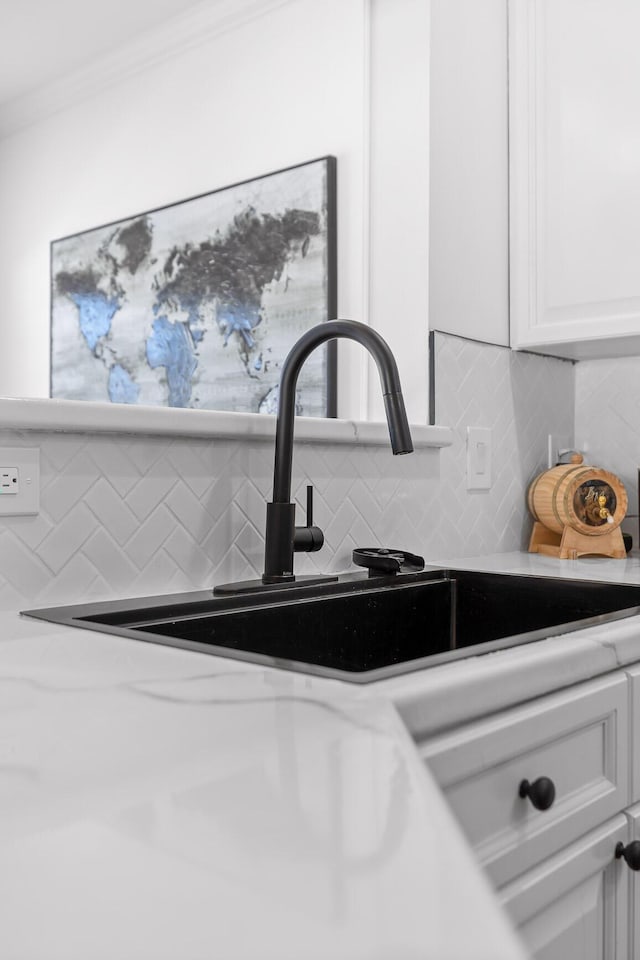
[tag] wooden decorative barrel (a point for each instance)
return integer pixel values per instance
(578, 510)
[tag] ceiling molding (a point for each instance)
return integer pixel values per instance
(169, 39)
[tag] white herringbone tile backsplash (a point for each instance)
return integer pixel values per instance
(522, 398)
(123, 516)
(608, 420)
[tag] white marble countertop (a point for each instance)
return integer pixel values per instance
(535, 564)
(161, 804)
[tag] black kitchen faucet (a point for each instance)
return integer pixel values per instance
(282, 537)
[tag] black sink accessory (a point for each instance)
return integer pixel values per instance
(387, 560)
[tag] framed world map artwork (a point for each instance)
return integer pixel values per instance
(197, 304)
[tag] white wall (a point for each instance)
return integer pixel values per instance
(142, 515)
(286, 87)
(399, 189)
(608, 424)
(469, 229)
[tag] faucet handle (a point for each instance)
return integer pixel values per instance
(308, 539)
(309, 505)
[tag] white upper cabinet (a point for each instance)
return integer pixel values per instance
(574, 138)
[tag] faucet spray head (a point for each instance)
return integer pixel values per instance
(399, 432)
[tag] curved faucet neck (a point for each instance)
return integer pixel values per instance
(282, 537)
(394, 405)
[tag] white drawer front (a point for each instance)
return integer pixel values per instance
(578, 738)
(574, 905)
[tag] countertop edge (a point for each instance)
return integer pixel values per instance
(77, 416)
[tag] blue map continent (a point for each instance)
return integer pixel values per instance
(122, 389)
(95, 313)
(171, 346)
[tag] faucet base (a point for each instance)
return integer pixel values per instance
(257, 586)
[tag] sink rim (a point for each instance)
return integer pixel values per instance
(87, 616)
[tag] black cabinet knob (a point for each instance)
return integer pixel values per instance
(630, 853)
(541, 792)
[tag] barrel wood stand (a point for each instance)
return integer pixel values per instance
(577, 512)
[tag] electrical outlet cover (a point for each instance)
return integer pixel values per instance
(9, 481)
(26, 461)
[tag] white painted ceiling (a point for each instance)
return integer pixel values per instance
(45, 40)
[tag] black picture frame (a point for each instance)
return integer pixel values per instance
(196, 303)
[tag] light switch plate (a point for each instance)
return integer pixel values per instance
(24, 464)
(479, 450)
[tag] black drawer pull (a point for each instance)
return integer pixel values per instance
(541, 792)
(630, 853)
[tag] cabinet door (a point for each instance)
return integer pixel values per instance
(574, 94)
(633, 815)
(576, 737)
(574, 906)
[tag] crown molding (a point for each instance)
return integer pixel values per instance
(169, 39)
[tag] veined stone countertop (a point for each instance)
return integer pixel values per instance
(158, 803)
(535, 564)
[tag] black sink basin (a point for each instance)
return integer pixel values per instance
(363, 629)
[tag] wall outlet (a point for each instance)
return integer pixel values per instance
(19, 481)
(479, 451)
(9, 481)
